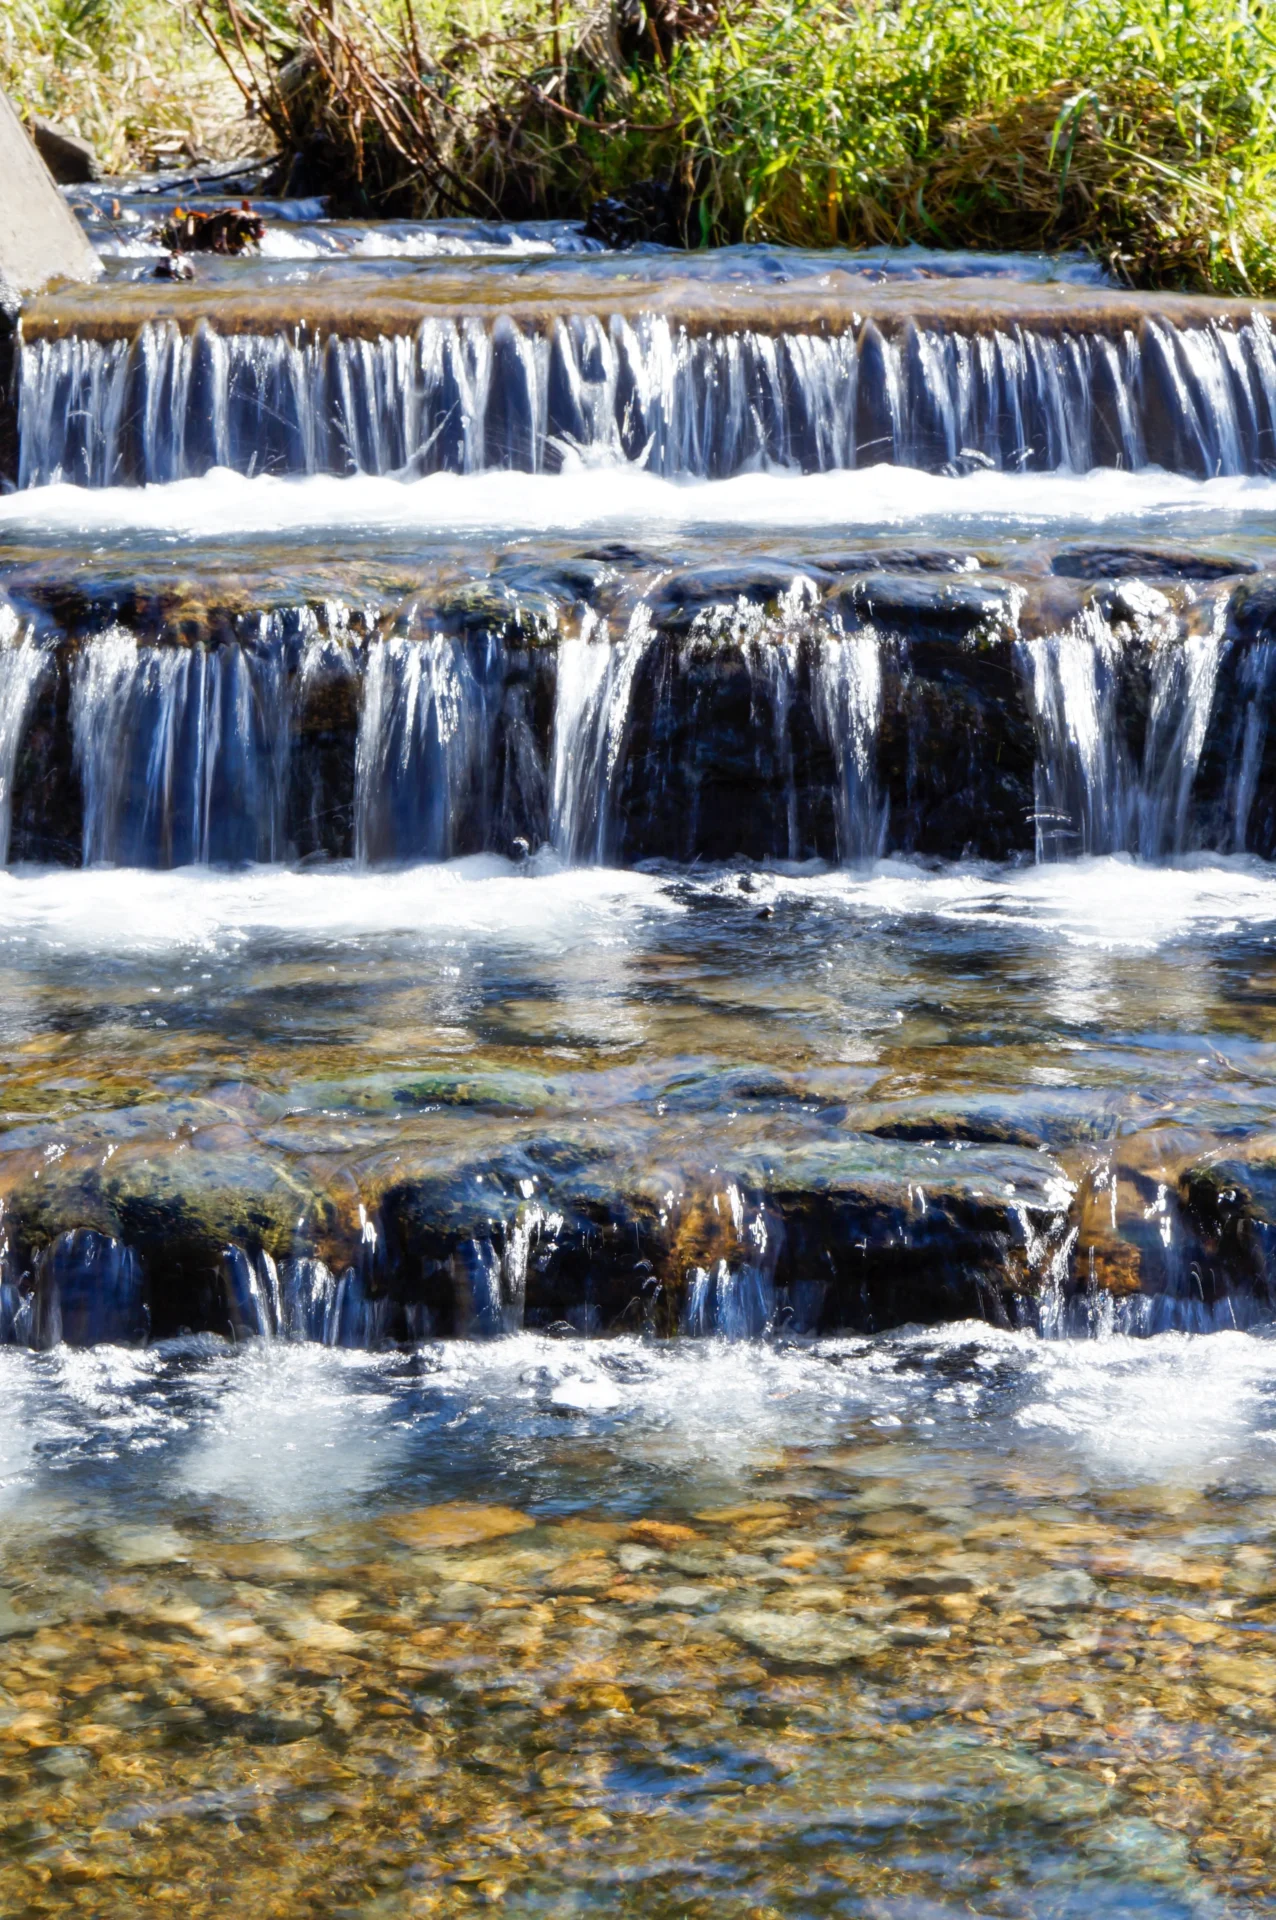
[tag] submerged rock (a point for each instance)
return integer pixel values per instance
(803, 1638)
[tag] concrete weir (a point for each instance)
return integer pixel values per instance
(40, 241)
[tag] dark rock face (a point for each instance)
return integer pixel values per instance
(767, 711)
(651, 212)
(856, 1248)
(70, 160)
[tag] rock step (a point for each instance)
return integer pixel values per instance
(574, 1227)
(463, 370)
(828, 707)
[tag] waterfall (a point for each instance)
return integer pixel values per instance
(22, 664)
(847, 700)
(460, 396)
(181, 752)
(1092, 796)
(734, 1297)
(302, 1300)
(591, 714)
(1257, 678)
(423, 751)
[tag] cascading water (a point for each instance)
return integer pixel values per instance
(181, 752)
(848, 704)
(642, 692)
(424, 750)
(1092, 795)
(591, 714)
(22, 665)
(457, 395)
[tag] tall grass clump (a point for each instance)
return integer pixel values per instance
(136, 78)
(1144, 130)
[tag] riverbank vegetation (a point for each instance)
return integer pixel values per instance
(1143, 130)
(135, 78)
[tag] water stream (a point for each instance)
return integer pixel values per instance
(637, 1185)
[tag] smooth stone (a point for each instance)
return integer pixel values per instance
(1054, 1591)
(461, 1596)
(143, 1546)
(457, 1524)
(806, 1638)
(1149, 563)
(685, 1597)
(634, 1558)
(1139, 1846)
(65, 1763)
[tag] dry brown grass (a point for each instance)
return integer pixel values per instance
(136, 78)
(1116, 171)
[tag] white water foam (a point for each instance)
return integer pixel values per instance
(142, 911)
(1113, 904)
(224, 504)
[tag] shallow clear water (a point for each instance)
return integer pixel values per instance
(932, 1623)
(727, 1613)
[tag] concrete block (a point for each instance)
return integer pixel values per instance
(40, 238)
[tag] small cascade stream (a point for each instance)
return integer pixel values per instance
(637, 1059)
(464, 395)
(670, 588)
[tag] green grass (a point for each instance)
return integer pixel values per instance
(133, 77)
(1144, 130)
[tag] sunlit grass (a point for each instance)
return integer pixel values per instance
(1144, 130)
(133, 77)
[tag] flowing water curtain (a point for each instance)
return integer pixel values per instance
(463, 396)
(591, 719)
(181, 752)
(1245, 762)
(22, 666)
(424, 749)
(847, 703)
(1091, 795)
(299, 1300)
(734, 1297)
(1081, 777)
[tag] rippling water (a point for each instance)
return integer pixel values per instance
(908, 1625)
(907, 1548)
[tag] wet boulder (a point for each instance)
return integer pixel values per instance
(694, 595)
(1100, 562)
(70, 160)
(922, 605)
